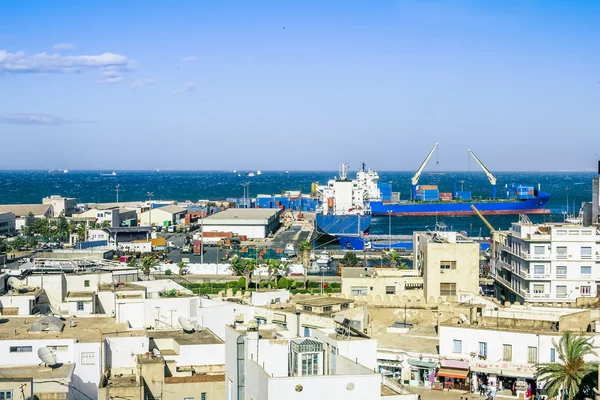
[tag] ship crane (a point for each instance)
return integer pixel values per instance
(415, 179)
(490, 177)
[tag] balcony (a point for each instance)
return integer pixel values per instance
(524, 255)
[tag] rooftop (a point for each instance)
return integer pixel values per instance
(87, 330)
(170, 209)
(21, 210)
(195, 378)
(206, 336)
(420, 339)
(244, 214)
(121, 287)
(122, 381)
(322, 301)
(37, 372)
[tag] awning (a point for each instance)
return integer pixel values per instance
(422, 364)
(511, 373)
(453, 373)
(486, 370)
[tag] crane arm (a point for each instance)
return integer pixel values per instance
(491, 177)
(415, 179)
(485, 221)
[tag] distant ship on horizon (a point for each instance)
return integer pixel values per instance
(58, 171)
(109, 174)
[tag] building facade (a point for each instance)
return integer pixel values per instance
(549, 262)
(7, 224)
(449, 263)
(255, 223)
(61, 205)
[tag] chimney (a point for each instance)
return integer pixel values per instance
(298, 322)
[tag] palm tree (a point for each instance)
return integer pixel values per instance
(243, 267)
(274, 266)
(132, 262)
(394, 257)
(572, 368)
(349, 260)
(148, 262)
(305, 247)
(181, 266)
(81, 230)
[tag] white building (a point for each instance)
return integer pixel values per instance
(7, 223)
(549, 262)
(61, 205)
(162, 216)
(251, 222)
(22, 213)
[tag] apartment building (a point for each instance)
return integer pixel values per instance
(546, 262)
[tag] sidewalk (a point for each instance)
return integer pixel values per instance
(454, 394)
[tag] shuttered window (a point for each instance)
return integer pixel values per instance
(532, 355)
(507, 352)
(447, 289)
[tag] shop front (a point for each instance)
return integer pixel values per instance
(422, 373)
(391, 368)
(504, 378)
(454, 374)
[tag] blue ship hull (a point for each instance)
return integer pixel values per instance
(343, 224)
(506, 207)
(355, 242)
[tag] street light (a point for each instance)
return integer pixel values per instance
(150, 195)
(390, 229)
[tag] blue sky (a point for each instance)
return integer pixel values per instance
(299, 85)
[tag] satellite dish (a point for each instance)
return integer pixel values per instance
(47, 357)
(15, 283)
(186, 324)
(156, 352)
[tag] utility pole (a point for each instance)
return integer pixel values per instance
(150, 195)
(202, 241)
(117, 190)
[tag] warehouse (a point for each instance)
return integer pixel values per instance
(163, 216)
(255, 223)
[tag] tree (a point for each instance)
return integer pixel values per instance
(105, 224)
(17, 243)
(394, 257)
(305, 247)
(181, 266)
(567, 374)
(132, 263)
(81, 230)
(148, 262)
(243, 267)
(274, 267)
(349, 260)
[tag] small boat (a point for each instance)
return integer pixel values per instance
(234, 171)
(58, 171)
(250, 174)
(111, 174)
(324, 258)
(314, 268)
(287, 172)
(258, 172)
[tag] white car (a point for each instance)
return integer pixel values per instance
(286, 259)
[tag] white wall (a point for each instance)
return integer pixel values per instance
(217, 314)
(121, 351)
(88, 306)
(362, 350)
(23, 303)
(252, 231)
(55, 287)
(265, 298)
(204, 354)
(164, 312)
(199, 269)
(131, 312)
(334, 386)
(142, 247)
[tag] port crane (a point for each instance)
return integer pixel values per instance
(490, 227)
(415, 179)
(490, 177)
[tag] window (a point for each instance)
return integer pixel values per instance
(561, 252)
(561, 232)
(531, 355)
(585, 290)
(80, 306)
(457, 346)
(447, 289)
(552, 355)
(539, 269)
(538, 289)
(59, 348)
(561, 292)
(586, 270)
(310, 364)
(561, 271)
(203, 396)
(88, 358)
(359, 290)
(538, 250)
(327, 308)
(507, 352)
(390, 290)
(20, 349)
(6, 395)
(188, 398)
(586, 252)
(307, 308)
(345, 306)
(447, 265)
(483, 349)
(86, 283)
(574, 233)
(586, 232)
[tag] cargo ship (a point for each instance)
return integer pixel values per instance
(428, 200)
(362, 242)
(345, 206)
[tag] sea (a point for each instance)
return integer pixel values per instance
(568, 190)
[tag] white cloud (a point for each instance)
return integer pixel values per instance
(112, 80)
(64, 47)
(186, 87)
(20, 62)
(189, 59)
(36, 119)
(142, 83)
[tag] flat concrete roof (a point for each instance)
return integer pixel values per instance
(82, 295)
(21, 210)
(187, 339)
(37, 372)
(244, 214)
(420, 339)
(86, 330)
(323, 301)
(123, 287)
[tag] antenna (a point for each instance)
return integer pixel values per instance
(186, 324)
(47, 357)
